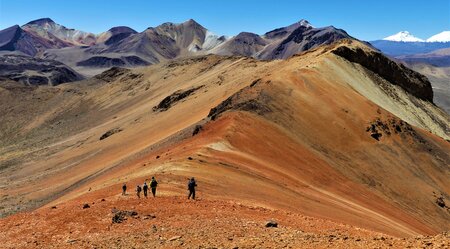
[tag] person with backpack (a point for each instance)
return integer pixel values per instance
(138, 191)
(153, 185)
(191, 187)
(124, 189)
(145, 188)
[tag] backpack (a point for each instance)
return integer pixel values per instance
(191, 185)
(153, 184)
(138, 189)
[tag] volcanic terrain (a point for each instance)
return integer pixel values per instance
(339, 145)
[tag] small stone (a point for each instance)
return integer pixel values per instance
(440, 202)
(271, 224)
(148, 216)
(174, 238)
(86, 206)
(197, 129)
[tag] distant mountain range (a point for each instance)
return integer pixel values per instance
(404, 43)
(430, 57)
(90, 54)
(44, 52)
(405, 36)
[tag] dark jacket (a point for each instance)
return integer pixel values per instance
(192, 184)
(153, 183)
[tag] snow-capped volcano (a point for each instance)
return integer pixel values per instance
(444, 36)
(403, 36)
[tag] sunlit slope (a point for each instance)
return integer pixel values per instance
(315, 134)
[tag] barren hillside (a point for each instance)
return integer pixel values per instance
(328, 134)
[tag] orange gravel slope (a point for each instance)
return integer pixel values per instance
(292, 136)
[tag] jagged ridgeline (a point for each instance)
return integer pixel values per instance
(90, 54)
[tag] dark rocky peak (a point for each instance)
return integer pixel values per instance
(121, 29)
(9, 37)
(300, 23)
(297, 35)
(192, 23)
(9, 34)
(222, 38)
(249, 38)
(316, 36)
(187, 24)
(41, 21)
(165, 25)
(280, 32)
(119, 33)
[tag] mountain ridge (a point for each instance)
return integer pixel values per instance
(171, 40)
(337, 136)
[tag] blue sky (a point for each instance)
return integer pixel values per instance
(367, 20)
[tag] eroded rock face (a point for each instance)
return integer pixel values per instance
(34, 71)
(197, 130)
(412, 82)
(120, 215)
(113, 74)
(244, 100)
(172, 99)
(379, 128)
(110, 133)
(102, 61)
(440, 202)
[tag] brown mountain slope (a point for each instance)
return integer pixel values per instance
(201, 224)
(316, 134)
(440, 78)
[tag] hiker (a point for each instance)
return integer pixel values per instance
(138, 191)
(191, 187)
(145, 188)
(153, 185)
(124, 189)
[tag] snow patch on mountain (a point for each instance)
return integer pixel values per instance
(444, 36)
(403, 36)
(305, 23)
(212, 40)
